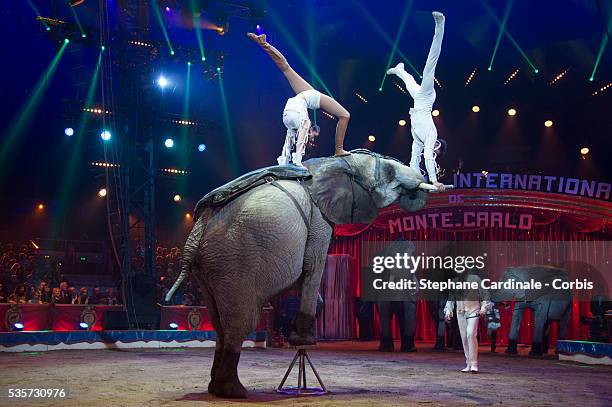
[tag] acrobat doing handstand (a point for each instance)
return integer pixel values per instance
(425, 137)
(295, 114)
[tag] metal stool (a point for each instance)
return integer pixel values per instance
(301, 357)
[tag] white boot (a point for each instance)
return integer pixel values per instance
(396, 69)
(474, 368)
(467, 369)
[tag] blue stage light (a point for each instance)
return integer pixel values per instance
(201, 147)
(69, 131)
(17, 326)
(162, 82)
(106, 135)
(169, 143)
(83, 325)
(173, 325)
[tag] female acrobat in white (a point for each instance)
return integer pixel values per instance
(425, 137)
(295, 115)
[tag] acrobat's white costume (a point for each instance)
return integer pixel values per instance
(296, 119)
(470, 306)
(423, 129)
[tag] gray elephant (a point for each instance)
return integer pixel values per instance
(403, 305)
(270, 229)
(548, 304)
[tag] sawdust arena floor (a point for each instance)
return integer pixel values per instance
(355, 372)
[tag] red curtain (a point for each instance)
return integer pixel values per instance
(547, 228)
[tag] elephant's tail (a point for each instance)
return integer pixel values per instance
(189, 252)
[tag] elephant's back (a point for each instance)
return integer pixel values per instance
(257, 240)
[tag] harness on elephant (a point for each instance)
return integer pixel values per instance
(355, 178)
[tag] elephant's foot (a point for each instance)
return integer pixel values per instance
(408, 344)
(536, 349)
(304, 331)
(545, 344)
(439, 344)
(226, 383)
(213, 371)
(386, 344)
(512, 347)
(230, 389)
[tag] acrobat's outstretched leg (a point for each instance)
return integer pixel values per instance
(298, 84)
(427, 84)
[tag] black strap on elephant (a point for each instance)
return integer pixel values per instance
(334, 184)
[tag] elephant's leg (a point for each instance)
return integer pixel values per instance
(238, 317)
(408, 325)
(546, 337)
(384, 317)
(538, 330)
(564, 320)
(213, 314)
(317, 244)
(517, 318)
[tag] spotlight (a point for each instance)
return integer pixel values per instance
(584, 150)
(17, 326)
(475, 108)
(218, 69)
(536, 70)
(177, 198)
(372, 137)
(102, 192)
(83, 35)
(203, 58)
(201, 147)
(69, 131)
(548, 123)
(485, 172)
(173, 326)
(102, 47)
(380, 89)
(105, 135)
(511, 112)
(167, 9)
(258, 27)
(162, 81)
(40, 206)
(66, 40)
(435, 113)
(172, 52)
(402, 122)
(188, 216)
(83, 325)
(169, 143)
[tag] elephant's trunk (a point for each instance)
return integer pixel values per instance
(189, 252)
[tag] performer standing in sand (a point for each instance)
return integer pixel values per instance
(295, 115)
(425, 137)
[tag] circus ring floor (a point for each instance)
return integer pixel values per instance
(355, 372)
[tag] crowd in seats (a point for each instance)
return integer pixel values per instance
(167, 269)
(23, 280)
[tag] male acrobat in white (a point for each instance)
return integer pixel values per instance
(471, 305)
(295, 114)
(425, 137)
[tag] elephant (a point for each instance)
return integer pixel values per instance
(548, 304)
(400, 304)
(245, 248)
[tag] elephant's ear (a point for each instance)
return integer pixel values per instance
(340, 199)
